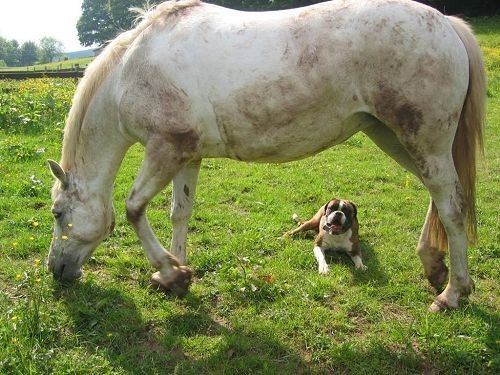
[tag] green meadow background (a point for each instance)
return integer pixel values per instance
(257, 304)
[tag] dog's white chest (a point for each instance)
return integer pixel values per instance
(338, 241)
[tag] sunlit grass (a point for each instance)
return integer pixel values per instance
(257, 304)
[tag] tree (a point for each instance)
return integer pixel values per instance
(3, 48)
(9, 52)
(12, 53)
(103, 20)
(29, 53)
(50, 48)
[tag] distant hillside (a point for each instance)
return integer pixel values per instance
(80, 54)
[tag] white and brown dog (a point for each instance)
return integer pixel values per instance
(337, 224)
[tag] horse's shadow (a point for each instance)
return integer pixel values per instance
(107, 319)
(110, 325)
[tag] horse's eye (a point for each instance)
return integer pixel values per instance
(57, 214)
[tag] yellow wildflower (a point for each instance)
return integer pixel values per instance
(64, 238)
(70, 225)
(34, 223)
(19, 277)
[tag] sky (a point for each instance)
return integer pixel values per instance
(25, 20)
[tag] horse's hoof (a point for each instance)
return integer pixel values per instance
(439, 305)
(179, 285)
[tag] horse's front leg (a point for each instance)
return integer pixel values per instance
(158, 169)
(183, 193)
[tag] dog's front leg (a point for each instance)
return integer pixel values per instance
(358, 263)
(320, 257)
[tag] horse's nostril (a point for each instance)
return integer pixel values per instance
(58, 271)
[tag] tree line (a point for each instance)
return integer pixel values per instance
(14, 54)
(102, 20)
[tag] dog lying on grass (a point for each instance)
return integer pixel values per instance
(337, 226)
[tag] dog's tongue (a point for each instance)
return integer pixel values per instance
(336, 228)
(333, 228)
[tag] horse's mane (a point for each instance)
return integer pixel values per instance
(100, 68)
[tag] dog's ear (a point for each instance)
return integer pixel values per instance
(325, 208)
(355, 212)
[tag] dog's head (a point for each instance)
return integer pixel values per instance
(339, 216)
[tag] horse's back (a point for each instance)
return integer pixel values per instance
(268, 79)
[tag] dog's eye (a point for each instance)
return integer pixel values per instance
(346, 210)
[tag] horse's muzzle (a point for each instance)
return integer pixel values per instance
(65, 271)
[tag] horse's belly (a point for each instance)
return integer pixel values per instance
(284, 136)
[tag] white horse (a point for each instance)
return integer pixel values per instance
(195, 80)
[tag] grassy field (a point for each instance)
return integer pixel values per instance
(257, 305)
(67, 64)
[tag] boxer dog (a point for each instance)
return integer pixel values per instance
(337, 224)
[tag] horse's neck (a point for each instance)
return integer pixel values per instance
(100, 151)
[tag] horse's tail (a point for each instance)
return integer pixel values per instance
(468, 142)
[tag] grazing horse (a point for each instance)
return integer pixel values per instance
(195, 80)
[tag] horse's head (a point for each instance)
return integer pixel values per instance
(82, 220)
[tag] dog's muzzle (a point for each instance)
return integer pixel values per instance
(336, 223)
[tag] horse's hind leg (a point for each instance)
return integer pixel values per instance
(183, 193)
(160, 165)
(439, 176)
(432, 257)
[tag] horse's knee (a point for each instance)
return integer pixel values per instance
(134, 210)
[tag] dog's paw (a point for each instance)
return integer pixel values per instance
(323, 269)
(361, 267)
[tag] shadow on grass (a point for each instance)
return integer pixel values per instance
(104, 318)
(192, 339)
(374, 273)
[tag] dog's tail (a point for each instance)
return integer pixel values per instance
(468, 140)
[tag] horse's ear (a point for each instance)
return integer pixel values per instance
(58, 172)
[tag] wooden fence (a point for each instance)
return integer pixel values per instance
(75, 72)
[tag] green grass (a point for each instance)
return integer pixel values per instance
(257, 304)
(67, 64)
